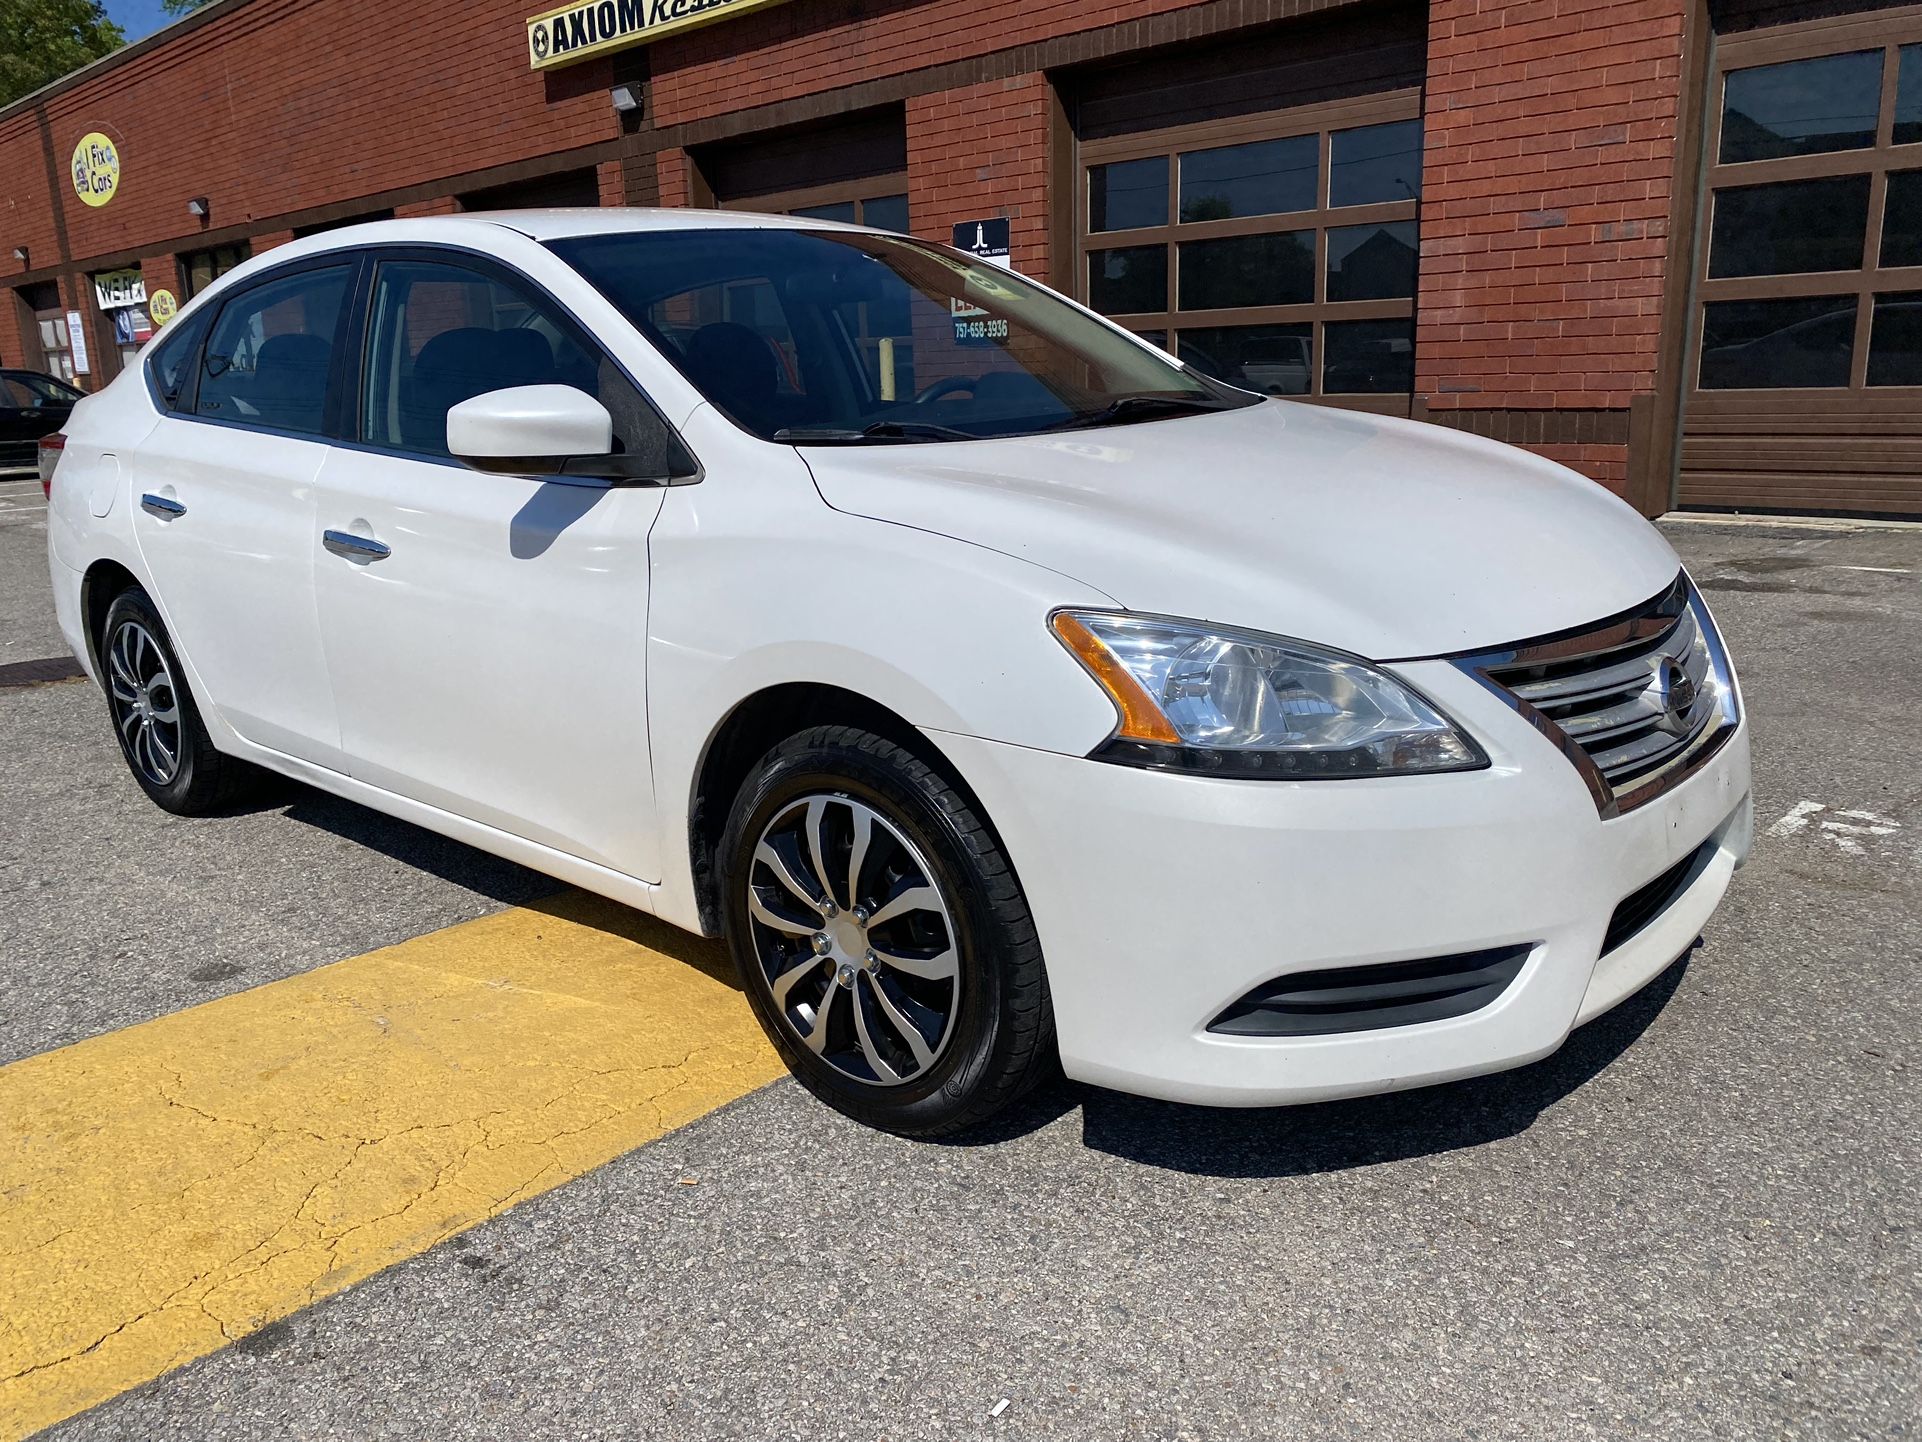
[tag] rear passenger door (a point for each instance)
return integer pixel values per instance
(225, 504)
(486, 634)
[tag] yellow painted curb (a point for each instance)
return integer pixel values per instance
(173, 1186)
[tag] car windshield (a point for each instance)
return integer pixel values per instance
(823, 337)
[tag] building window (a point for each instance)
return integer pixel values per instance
(1815, 222)
(1276, 252)
(201, 268)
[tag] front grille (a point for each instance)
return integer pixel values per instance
(1367, 998)
(1642, 905)
(1636, 701)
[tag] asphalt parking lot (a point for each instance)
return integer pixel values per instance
(1699, 1219)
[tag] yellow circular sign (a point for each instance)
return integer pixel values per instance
(162, 307)
(96, 168)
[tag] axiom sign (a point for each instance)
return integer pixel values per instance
(574, 32)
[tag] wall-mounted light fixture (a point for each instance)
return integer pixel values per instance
(20, 254)
(625, 98)
(198, 206)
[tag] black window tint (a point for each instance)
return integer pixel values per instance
(1372, 262)
(886, 212)
(1265, 177)
(1801, 107)
(1895, 340)
(172, 362)
(1908, 96)
(1373, 164)
(1792, 228)
(268, 354)
(1128, 194)
(1368, 357)
(441, 334)
(1902, 220)
(1276, 360)
(1128, 281)
(1248, 270)
(14, 394)
(1805, 343)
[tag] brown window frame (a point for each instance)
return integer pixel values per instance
(1888, 31)
(1322, 119)
(841, 192)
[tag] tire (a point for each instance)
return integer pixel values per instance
(161, 735)
(986, 1033)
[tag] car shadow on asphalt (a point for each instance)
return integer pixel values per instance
(1336, 1136)
(411, 845)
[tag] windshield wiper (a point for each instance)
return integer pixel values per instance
(1127, 408)
(878, 431)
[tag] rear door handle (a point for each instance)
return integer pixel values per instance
(357, 548)
(162, 505)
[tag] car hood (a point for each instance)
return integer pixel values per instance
(1387, 538)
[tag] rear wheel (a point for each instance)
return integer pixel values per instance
(882, 936)
(161, 734)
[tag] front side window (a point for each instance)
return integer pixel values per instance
(46, 391)
(268, 356)
(823, 336)
(441, 334)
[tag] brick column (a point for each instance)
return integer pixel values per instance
(1550, 154)
(982, 150)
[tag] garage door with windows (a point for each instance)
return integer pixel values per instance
(1805, 391)
(1255, 208)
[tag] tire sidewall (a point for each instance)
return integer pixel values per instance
(910, 797)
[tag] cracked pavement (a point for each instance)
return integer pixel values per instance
(1696, 1220)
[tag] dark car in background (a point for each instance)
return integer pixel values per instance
(31, 405)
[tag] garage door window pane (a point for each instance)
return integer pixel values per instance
(1807, 343)
(1128, 281)
(1368, 357)
(1267, 177)
(886, 212)
(1375, 164)
(1277, 360)
(1372, 262)
(841, 211)
(1908, 96)
(1895, 340)
(1128, 194)
(1804, 107)
(1789, 229)
(1248, 270)
(1902, 220)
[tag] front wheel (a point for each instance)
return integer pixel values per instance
(882, 936)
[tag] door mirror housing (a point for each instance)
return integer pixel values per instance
(548, 430)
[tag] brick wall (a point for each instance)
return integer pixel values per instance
(796, 49)
(1551, 130)
(983, 151)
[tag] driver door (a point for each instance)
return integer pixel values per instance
(486, 634)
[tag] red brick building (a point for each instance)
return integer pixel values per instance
(1674, 243)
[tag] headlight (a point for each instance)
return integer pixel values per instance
(1197, 697)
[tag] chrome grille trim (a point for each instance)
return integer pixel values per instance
(1635, 702)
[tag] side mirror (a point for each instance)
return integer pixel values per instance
(553, 431)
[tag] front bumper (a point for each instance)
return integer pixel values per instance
(1162, 899)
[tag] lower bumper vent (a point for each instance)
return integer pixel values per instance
(1641, 906)
(1367, 998)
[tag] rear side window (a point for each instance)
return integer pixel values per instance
(268, 355)
(441, 334)
(14, 394)
(172, 364)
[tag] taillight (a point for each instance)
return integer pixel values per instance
(49, 457)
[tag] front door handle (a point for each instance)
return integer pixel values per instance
(162, 505)
(355, 548)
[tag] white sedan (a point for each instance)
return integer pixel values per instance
(1002, 689)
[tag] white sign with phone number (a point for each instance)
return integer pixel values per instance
(77, 342)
